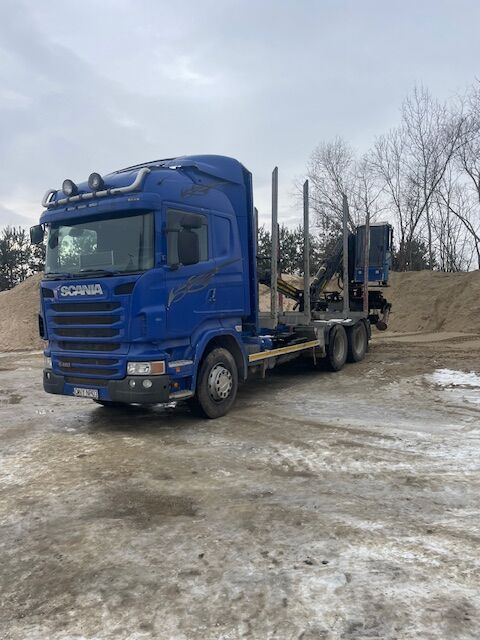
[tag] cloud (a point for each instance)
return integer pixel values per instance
(10, 218)
(181, 68)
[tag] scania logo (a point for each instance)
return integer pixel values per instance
(81, 290)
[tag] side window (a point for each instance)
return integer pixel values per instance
(175, 218)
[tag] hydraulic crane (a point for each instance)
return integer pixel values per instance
(378, 273)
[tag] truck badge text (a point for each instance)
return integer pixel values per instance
(81, 290)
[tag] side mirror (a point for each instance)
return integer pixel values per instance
(37, 234)
(188, 247)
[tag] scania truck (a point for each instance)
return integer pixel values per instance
(151, 287)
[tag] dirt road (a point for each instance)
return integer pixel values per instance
(325, 506)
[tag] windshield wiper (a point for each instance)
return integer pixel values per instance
(87, 272)
(99, 272)
(58, 276)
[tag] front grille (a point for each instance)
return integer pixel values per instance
(75, 307)
(89, 346)
(95, 382)
(87, 367)
(88, 328)
(86, 319)
(70, 361)
(94, 371)
(86, 333)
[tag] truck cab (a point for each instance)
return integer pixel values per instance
(145, 267)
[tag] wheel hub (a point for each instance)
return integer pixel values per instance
(220, 383)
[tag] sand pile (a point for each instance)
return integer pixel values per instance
(18, 316)
(422, 301)
(434, 301)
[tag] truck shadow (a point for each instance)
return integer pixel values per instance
(138, 420)
(283, 376)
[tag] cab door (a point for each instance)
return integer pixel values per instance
(190, 273)
(229, 279)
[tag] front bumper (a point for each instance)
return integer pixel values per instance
(115, 390)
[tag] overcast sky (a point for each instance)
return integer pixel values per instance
(90, 85)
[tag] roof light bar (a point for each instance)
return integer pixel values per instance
(48, 201)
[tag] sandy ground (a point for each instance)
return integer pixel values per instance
(326, 506)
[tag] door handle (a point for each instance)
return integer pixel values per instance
(211, 295)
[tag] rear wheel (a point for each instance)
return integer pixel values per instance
(217, 385)
(357, 342)
(337, 348)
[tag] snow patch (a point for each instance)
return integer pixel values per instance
(460, 385)
(452, 378)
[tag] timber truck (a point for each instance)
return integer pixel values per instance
(151, 287)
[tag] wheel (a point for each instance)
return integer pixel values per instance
(111, 404)
(217, 385)
(357, 342)
(337, 348)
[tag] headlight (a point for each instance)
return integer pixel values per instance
(47, 362)
(146, 368)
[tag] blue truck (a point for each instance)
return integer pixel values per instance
(151, 289)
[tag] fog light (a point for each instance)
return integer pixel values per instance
(131, 383)
(147, 384)
(146, 368)
(47, 362)
(69, 188)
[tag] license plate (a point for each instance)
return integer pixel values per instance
(85, 393)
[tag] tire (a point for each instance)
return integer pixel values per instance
(111, 404)
(217, 385)
(337, 348)
(357, 342)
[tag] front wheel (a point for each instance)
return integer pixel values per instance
(217, 385)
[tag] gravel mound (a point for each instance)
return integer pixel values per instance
(434, 301)
(19, 316)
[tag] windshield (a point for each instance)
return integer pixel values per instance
(117, 245)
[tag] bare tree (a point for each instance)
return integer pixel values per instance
(450, 207)
(389, 161)
(468, 162)
(412, 159)
(331, 174)
(424, 174)
(367, 191)
(435, 134)
(333, 171)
